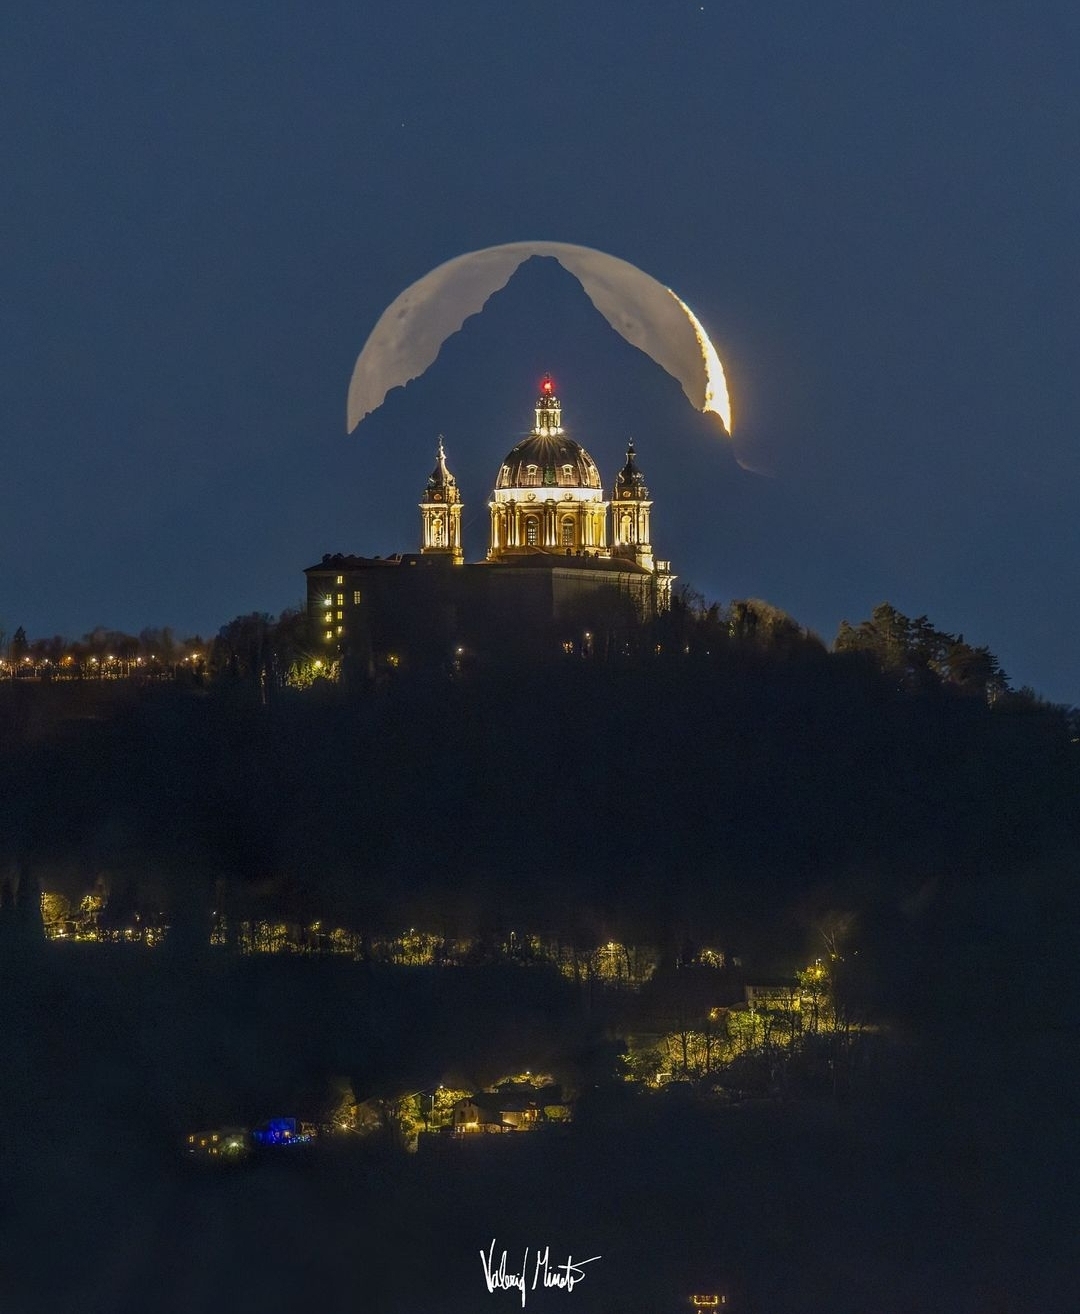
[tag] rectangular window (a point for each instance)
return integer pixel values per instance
(341, 615)
(340, 579)
(329, 634)
(341, 629)
(356, 598)
(340, 598)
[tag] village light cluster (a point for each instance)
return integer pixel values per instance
(611, 963)
(525, 1102)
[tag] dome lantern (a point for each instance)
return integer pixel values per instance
(548, 410)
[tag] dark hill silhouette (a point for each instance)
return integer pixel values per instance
(703, 792)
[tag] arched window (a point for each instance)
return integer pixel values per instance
(532, 474)
(567, 532)
(437, 532)
(532, 531)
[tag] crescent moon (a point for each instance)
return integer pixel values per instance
(407, 337)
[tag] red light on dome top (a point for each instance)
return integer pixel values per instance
(547, 384)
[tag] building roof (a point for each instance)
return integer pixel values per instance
(341, 562)
(554, 559)
(531, 559)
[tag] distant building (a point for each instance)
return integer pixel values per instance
(510, 1110)
(566, 567)
(497, 1113)
(783, 995)
(221, 1143)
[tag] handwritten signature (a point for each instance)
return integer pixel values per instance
(544, 1272)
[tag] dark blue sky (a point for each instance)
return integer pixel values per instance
(873, 208)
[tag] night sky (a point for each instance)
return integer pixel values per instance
(873, 208)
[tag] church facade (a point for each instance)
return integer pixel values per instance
(567, 565)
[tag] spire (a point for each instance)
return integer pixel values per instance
(548, 410)
(630, 482)
(440, 479)
(440, 511)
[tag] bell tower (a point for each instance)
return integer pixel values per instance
(440, 513)
(630, 507)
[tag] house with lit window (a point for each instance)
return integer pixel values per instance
(782, 995)
(224, 1143)
(509, 1111)
(567, 565)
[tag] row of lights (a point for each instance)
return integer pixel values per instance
(67, 661)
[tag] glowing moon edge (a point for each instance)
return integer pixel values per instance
(717, 396)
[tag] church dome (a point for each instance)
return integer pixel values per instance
(548, 496)
(547, 460)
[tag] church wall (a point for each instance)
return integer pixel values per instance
(418, 616)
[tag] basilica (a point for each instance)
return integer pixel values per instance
(566, 568)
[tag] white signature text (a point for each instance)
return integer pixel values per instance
(502, 1276)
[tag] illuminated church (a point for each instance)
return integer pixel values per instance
(566, 569)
